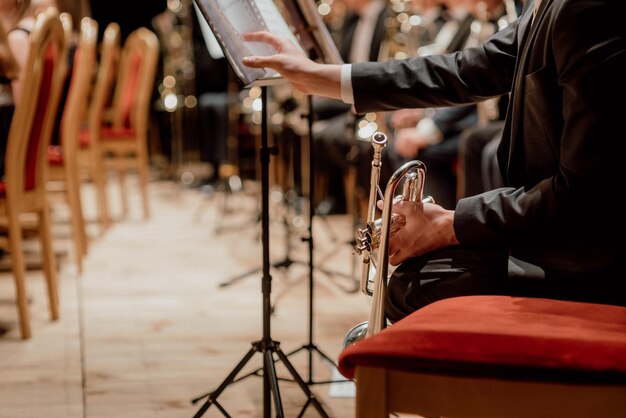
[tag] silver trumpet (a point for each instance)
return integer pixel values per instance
(373, 239)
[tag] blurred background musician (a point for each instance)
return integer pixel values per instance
(433, 135)
(359, 39)
(17, 20)
(478, 167)
(9, 71)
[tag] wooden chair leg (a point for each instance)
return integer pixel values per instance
(121, 176)
(99, 181)
(49, 262)
(82, 229)
(18, 269)
(371, 394)
(76, 234)
(142, 160)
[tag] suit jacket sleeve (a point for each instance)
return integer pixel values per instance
(468, 76)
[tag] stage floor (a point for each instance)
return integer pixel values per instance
(148, 325)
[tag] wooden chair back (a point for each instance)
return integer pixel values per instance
(125, 142)
(32, 123)
(24, 185)
(135, 84)
(68, 30)
(84, 65)
(64, 158)
(102, 96)
(90, 155)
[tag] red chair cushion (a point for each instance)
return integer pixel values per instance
(110, 133)
(37, 131)
(130, 90)
(55, 155)
(83, 138)
(501, 336)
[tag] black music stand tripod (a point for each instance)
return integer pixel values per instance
(266, 345)
(310, 347)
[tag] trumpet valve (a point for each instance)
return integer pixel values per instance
(362, 246)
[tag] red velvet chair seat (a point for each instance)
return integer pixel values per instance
(110, 133)
(499, 336)
(83, 138)
(55, 155)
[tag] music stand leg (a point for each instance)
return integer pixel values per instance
(267, 346)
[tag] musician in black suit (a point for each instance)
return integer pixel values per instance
(554, 229)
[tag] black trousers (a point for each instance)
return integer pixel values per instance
(464, 271)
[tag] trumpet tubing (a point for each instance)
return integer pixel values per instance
(373, 239)
(379, 141)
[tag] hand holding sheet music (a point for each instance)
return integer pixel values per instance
(231, 19)
(306, 75)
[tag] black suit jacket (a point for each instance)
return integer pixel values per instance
(563, 141)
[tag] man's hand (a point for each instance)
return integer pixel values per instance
(428, 227)
(307, 76)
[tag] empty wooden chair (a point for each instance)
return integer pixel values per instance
(63, 158)
(124, 143)
(23, 190)
(90, 152)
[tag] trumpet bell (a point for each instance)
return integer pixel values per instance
(356, 334)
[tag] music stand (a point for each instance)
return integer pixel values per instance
(266, 345)
(309, 346)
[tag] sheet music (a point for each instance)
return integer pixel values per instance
(245, 17)
(275, 20)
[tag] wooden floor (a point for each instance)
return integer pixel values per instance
(147, 326)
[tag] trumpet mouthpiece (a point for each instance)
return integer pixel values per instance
(379, 138)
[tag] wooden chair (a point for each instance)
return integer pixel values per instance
(23, 191)
(124, 144)
(90, 152)
(63, 158)
(494, 356)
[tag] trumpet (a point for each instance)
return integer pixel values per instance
(373, 239)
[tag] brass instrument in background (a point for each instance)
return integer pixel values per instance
(373, 239)
(405, 31)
